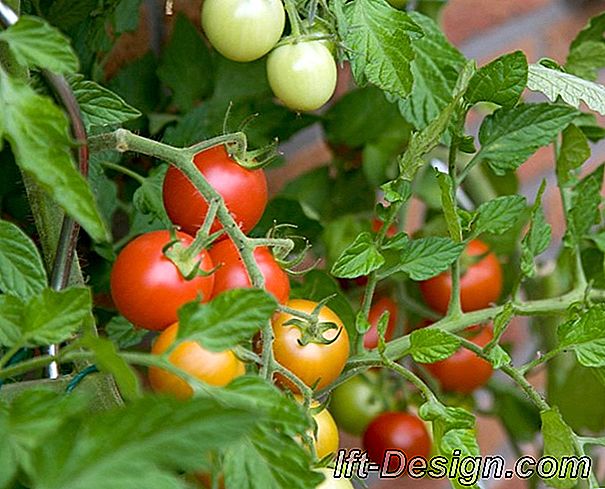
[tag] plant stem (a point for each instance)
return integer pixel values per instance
(539, 360)
(126, 171)
(411, 377)
(293, 17)
(8, 355)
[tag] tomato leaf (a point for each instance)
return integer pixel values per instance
(379, 36)
(123, 333)
(37, 131)
(448, 418)
(188, 81)
(22, 271)
(430, 345)
(537, 238)
(34, 42)
(585, 335)
(108, 360)
(587, 51)
(572, 89)
(448, 202)
(424, 258)
(558, 443)
(145, 443)
(509, 136)
(584, 206)
(435, 69)
(147, 199)
(462, 442)
(360, 258)
(100, 106)
(499, 215)
(231, 318)
(500, 82)
(516, 411)
(574, 151)
(499, 357)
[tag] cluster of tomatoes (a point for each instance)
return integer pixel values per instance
(301, 69)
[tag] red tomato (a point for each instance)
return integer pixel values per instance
(244, 192)
(232, 273)
(480, 283)
(396, 431)
(148, 289)
(377, 224)
(464, 371)
(370, 340)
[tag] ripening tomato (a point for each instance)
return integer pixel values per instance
(148, 289)
(243, 30)
(464, 371)
(480, 282)
(214, 368)
(382, 305)
(326, 437)
(396, 431)
(331, 482)
(377, 224)
(313, 362)
(355, 403)
(232, 274)
(244, 192)
(302, 75)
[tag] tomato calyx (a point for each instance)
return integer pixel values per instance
(255, 159)
(187, 258)
(312, 330)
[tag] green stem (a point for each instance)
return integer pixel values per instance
(293, 17)
(126, 171)
(411, 377)
(539, 360)
(8, 355)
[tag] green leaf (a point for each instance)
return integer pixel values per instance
(570, 88)
(379, 37)
(424, 141)
(501, 82)
(574, 151)
(108, 360)
(593, 31)
(499, 357)
(435, 69)
(502, 320)
(499, 215)
(33, 42)
(188, 81)
(147, 199)
(585, 335)
(424, 258)
(558, 443)
(123, 333)
(448, 202)
(231, 318)
(516, 411)
(585, 202)
(428, 345)
(67, 13)
(537, 238)
(49, 317)
(462, 442)
(509, 136)
(359, 258)
(100, 106)
(37, 131)
(586, 60)
(22, 271)
(446, 417)
(173, 436)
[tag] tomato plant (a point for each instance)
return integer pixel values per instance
(317, 351)
(396, 431)
(243, 30)
(148, 288)
(214, 368)
(382, 305)
(480, 281)
(302, 75)
(356, 403)
(244, 192)
(326, 434)
(231, 271)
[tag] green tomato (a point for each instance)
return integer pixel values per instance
(302, 75)
(398, 3)
(332, 483)
(355, 404)
(243, 30)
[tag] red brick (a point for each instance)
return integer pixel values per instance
(463, 19)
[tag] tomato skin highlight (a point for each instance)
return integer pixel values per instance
(232, 273)
(354, 404)
(148, 289)
(370, 339)
(302, 75)
(480, 286)
(214, 368)
(244, 191)
(464, 371)
(396, 431)
(243, 30)
(312, 362)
